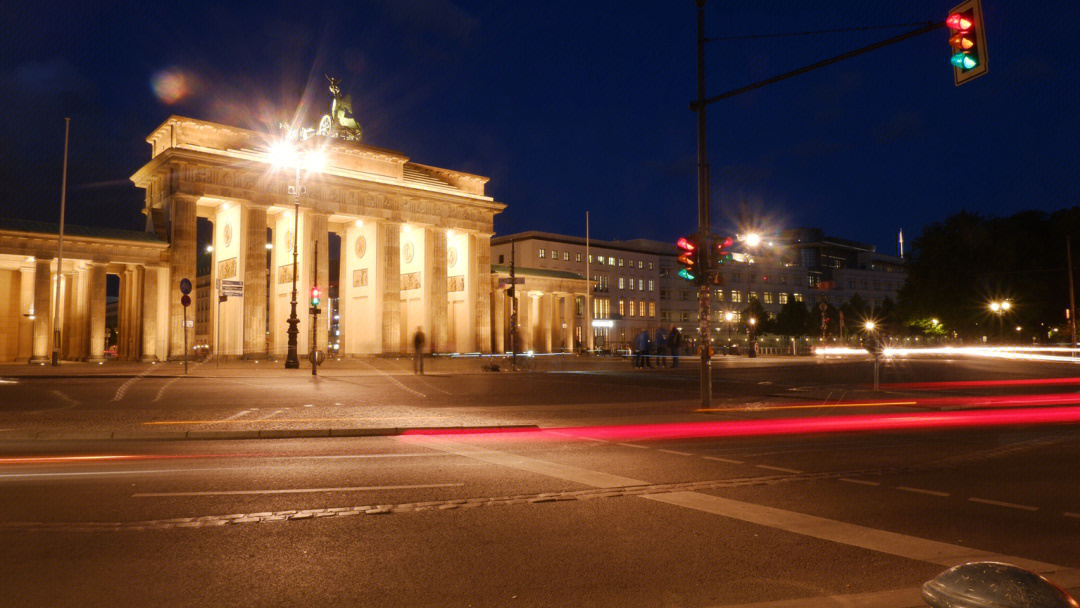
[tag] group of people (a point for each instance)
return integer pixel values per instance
(657, 347)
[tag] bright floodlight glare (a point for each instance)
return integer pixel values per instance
(870, 325)
(753, 239)
(729, 316)
(753, 321)
(934, 321)
(282, 154)
(995, 306)
(314, 161)
(1006, 305)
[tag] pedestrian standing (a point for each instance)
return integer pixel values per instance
(641, 348)
(661, 346)
(674, 343)
(419, 340)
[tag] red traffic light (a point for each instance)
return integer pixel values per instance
(960, 21)
(685, 244)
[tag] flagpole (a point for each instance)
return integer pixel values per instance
(60, 251)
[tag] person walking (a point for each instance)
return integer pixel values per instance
(641, 349)
(674, 342)
(661, 346)
(419, 340)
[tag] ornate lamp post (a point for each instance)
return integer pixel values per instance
(999, 309)
(285, 155)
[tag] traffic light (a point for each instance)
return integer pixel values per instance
(968, 41)
(721, 254)
(316, 296)
(689, 257)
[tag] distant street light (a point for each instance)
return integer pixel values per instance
(999, 309)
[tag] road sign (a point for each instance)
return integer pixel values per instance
(230, 287)
(314, 310)
(185, 300)
(185, 287)
(189, 323)
(504, 281)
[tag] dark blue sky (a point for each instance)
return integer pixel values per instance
(567, 106)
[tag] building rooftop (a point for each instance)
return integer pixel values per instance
(537, 272)
(17, 225)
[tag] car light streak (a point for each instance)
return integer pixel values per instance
(780, 426)
(1020, 353)
(982, 383)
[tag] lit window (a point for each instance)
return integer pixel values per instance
(621, 285)
(620, 262)
(783, 298)
(652, 310)
(650, 265)
(622, 307)
(641, 308)
(736, 295)
(611, 261)
(566, 256)
(650, 284)
(542, 252)
(768, 296)
(554, 254)
(590, 259)
(719, 295)
(798, 297)
(578, 257)
(631, 308)
(631, 284)
(639, 264)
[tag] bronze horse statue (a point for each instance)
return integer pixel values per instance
(340, 122)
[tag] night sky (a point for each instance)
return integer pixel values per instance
(566, 106)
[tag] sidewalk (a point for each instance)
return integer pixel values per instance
(365, 366)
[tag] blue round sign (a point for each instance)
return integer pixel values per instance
(185, 286)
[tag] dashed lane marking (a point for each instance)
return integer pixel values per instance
(392, 379)
(922, 491)
(781, 469)
(861, 481)
(238, 415)
(674, 452)
(386, 419)
(165, 387)
(998, 503)
(727, 460)
(807, 406)
(272, 414)
(633, 445)
(298, 490)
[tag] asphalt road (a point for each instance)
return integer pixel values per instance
(560, 515)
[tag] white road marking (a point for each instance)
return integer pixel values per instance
(165, 387)
(922, 491)
(68, 400)
(238, 415)
(891, 543)
(393, 379)
(719, 459)
(861, 481)
(781, 469)
(272, 414)
(124, 387)
(634, 445)
(6, 381)
(107, 473)
(999, 503)
(299, 490)
(593, 439)
(674, 452)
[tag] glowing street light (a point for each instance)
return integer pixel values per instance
(753, 240)
(870, 325)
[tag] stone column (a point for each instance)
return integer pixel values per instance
(26, 304)
(525, 320)
(149, 314)
(255, 282)
(435, 283)
(181, 266)
(42, 310)
(568, 321)
(498, 322)
(97, 313)
(389, 285)
(589, 342)
(123, 316)
(480, 276)
(546, 321)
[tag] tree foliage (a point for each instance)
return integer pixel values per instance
(963, 263)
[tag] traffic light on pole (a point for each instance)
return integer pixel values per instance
(720, 256)
(968, 41)
(316, 296)
(689, 252)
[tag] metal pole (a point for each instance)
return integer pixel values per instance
(315, 318)
(703, 211)
(292, 361)
(513, 310)
(877, 361)
(1072, 296)
(60, 251)
(217, 345)
(185, 340)
(588, 288)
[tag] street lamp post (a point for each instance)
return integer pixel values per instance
(999, 309)
(284, 154)
(875, 348)
(751, 337)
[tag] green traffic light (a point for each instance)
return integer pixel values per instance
(686, 274)
(964, 61)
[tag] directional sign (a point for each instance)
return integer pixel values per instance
(230, 287)
(504, 281)
(185, 300)
(185, 287)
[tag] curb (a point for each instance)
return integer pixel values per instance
(31, 435)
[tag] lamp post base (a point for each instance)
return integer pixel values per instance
(291, 360)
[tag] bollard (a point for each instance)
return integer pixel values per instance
(993, 585)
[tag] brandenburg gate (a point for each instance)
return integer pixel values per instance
(414, 241)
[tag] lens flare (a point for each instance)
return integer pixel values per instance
(173, 85)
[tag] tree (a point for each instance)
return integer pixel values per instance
(793, 319)
(755, 310)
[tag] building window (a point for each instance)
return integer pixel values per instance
(650, 284)
(641, 308)
(611, 261)
(650, 265)
(768, 297)
(631, 284)
(863, 284)
(590, 258)
(683, 295)
(555, 254)
(753, 278)
(579, 305)
(736, 277)
(652, 310)
(797, 282)
(577, 256)
(851, 284)
(640, 284)
(542, 253)
(736, 296)
(783, 298)
(783, 280)
(798, 297)
(621, 283)
(877, 285)
(620, 262)
(665, 294)
(622, 307)
(500, 258)
(719, 295)
(685, 317)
